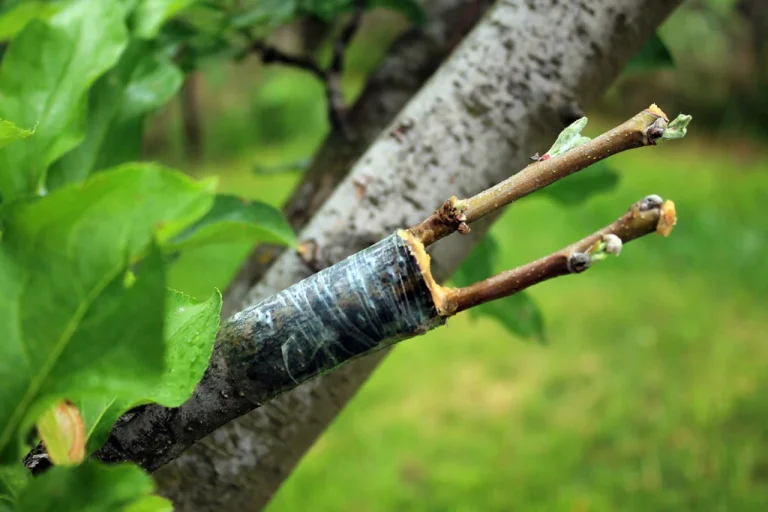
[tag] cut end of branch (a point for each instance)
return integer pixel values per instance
(667, 218)
(655, 110)
(445, 303)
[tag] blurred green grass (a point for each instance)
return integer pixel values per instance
(653, 391)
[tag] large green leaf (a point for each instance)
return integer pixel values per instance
(653, 55)
(234, 219)
(518, 312)
(44, 76)
(220, 261)
(89, 487)
(13, 478)
(151, 14)
(578, 188)
(188, 333)
(142, 81)
(15, 16)
(68, 320)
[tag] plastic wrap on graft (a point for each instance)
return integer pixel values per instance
(364, 303)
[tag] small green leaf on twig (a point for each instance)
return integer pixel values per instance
(678, 128)
(608, 244)
(568, 139)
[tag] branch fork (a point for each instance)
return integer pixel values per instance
(331, 76)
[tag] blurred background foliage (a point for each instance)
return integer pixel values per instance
(651, 392)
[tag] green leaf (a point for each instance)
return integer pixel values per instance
(9, 132)
(518, 313)
(141, 82)
(150, 504)
(220, 261)
(233, 219)
(68, 324)
(652, 56)
(16, 17)
(13, 478)
(569, 138)
(99, 414)
(151, 14)
(677, 128)
(189, 332)
(90, 487)
(43, 80)
(582, 186)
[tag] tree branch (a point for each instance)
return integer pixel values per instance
(644, 217)
(644, 129)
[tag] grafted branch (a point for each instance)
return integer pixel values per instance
(377, 297)
(644, 217)
(643, 129)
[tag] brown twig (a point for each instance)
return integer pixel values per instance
(643, 129)
(271, 55)
(646, 216)
(337, 106)
(331, 77)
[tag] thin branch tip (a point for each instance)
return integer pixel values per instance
(570, 153)
(650, 214)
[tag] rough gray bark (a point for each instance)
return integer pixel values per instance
(501, 96)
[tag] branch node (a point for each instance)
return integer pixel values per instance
(655, 131)
(578, 262)
(651, 202)
(667, 218)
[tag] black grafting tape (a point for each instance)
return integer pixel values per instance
(364, 303)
